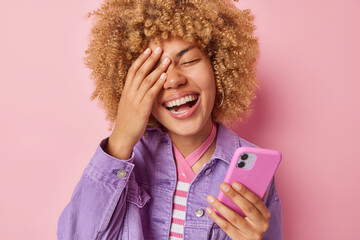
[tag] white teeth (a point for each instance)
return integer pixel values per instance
(175, 112)
(181, 101)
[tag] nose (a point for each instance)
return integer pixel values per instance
(175, 78)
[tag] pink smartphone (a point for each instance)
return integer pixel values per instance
(252, 167)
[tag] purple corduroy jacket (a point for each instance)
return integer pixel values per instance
(132, 199)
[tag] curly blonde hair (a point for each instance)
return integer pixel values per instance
(123, 29)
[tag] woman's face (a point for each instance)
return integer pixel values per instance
(185, 102)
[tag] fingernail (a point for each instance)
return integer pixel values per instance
(165, 61)
(237, 186)
(162, 76)
(208, 210)
(210, 199)
(147, 51)
(157, 50)
(224, 187)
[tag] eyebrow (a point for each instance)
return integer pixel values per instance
(182, 52)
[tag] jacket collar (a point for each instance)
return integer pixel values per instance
(226, 143)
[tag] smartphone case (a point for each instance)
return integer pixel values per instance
(257, 178)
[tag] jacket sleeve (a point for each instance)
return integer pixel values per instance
(273, 203)
(101, 189)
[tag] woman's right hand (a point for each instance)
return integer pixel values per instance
(140, 91)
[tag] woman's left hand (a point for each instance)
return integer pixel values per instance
(235, 226)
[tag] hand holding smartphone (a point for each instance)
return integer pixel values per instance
(252, 167)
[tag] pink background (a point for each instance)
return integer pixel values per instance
(307, 108)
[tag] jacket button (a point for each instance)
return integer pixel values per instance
(208, 171)
(199, 213)
(121, 173)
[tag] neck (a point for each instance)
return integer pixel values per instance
(187, 144)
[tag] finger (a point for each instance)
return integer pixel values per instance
(152, 93)
(146, 67)
(228, 228)
(153, 77)
(253, 199)
(136, 65)
(245, 205)
(235, 219)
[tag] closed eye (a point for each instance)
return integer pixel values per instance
(191, 62)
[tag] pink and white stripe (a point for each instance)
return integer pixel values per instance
(185, 176)
(179, 210)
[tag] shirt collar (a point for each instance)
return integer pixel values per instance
(226, 142)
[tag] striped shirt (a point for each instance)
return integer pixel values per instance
(185, 175)
(179, 207)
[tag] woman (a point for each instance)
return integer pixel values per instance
(168, 73)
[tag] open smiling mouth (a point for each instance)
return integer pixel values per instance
(181, 105)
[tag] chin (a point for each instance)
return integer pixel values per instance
(186, 127)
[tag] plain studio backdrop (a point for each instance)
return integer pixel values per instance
(307, 107)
